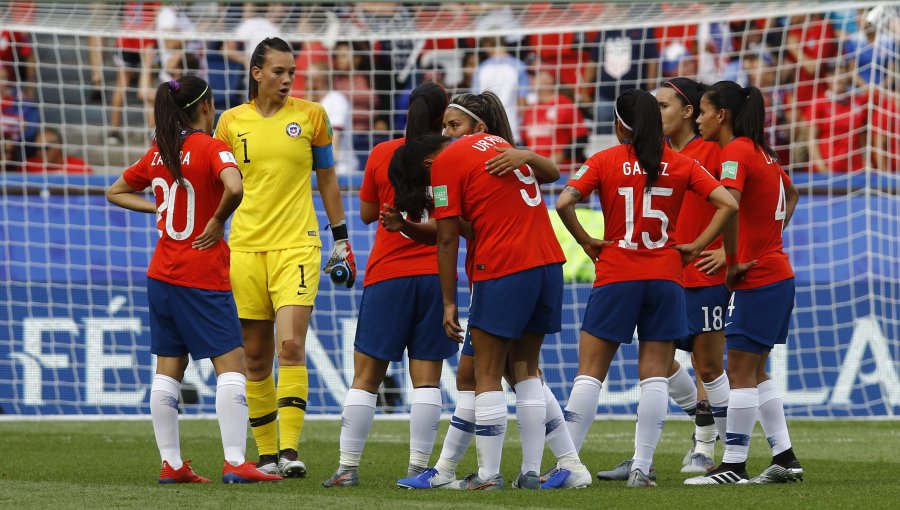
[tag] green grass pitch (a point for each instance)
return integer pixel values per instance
(114, 464)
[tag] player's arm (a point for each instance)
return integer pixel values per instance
(123, 195)
(231, 199)
(393, 221)
(511, 159)
(447, 253)
(565, 207)
(791, 197)
(368, 212)
(724, 220)
(334, 209)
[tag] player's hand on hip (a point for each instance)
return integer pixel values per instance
(737, 272)
(509, 159)
(593, 247)
(451, 323)
(342, 253)
(214, 231)
(711, 261)
(391, 219)
(688, 252)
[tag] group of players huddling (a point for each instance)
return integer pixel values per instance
(694, 204)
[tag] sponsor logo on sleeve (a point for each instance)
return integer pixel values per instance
(440, 196)
(729, 169)
(581, 171)
(227, 157)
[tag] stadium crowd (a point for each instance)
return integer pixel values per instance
(558, 88)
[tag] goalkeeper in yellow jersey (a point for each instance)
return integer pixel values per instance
(278, 142)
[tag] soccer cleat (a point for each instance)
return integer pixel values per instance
(686, 460)
(415, 470)
(185, 474)
(699, 463)
(343, 478)
(566, 479)
(246, 473)
(780, 474)
(621, 472)
(549, 473)
(637, 478)
(529, 480)
(473, 483)
(429, 479)
(268, 464)
(291, 468)
(720, 476)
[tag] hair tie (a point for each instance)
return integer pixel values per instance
(174, 86)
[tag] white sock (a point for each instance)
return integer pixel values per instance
(424, 417)
(164, 394)
(743, 404)
(582, 408)
(459, 434)
(771, 417)
(651, 416)
(490, 430)
(558, 437)
(706, 440)
(717, 393)
(233, 415)
(356, 421)
(531, 413)
(683, 391)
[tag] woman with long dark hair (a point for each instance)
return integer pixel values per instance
(197, 185)
(642, 184)
(760, 275)
(402, 283)
(280, 141)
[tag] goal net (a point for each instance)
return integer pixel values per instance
(77, 81)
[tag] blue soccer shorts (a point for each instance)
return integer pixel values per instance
(758, 319)
(527, 301)
(654, 307)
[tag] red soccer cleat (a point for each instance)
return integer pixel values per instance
(183, 475)
(246, 473)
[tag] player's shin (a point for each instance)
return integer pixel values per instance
(490, 430)
(164, 412)
(425, 414)
(651, 417)
(530, 415)
(582, 408)
(459, 434)
(356, 421)
(232, 414)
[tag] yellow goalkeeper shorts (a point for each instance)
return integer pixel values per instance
(263, 282)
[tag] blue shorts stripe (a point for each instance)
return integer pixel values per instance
(734, 439)
(461, 424)
(490, 430)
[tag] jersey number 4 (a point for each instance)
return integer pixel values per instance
(167, 206)
(648, 212)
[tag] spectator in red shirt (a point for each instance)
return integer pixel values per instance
(17, 57)
(51, 158)
(552, 125)
(837, 119)
(811, 41)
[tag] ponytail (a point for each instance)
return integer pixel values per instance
(425, 115)
(489, 109)
(748, 111)
(175, 109)
(258, 59)
(409, 177)
(639, 110)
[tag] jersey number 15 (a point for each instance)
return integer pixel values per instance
(648, 212)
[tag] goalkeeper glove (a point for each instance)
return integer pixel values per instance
(341, 265)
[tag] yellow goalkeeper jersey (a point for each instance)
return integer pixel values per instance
(276, 156)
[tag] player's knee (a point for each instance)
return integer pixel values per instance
(293, 351)
(741, 376)
(708, 370)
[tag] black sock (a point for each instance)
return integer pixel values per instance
(784, 458)
(267, 459)
(737, 467)
(704, 415)
(289, 454)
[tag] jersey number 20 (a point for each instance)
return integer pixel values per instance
(167, 205)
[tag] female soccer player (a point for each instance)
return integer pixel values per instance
(642, 184)
(279, 141)
(762, 279)
(196, 183)
(470, 114)
(402, 283)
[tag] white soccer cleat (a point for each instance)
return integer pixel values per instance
(699, 463)
(720, 476)
(568, 479)
(780, 474)
(291, 468)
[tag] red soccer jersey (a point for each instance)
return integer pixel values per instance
(641, 225)
(697, 211)
(841, 129)
(761, 182)
(550, 128)
(184, 211)
(508, 214)
(393, 255)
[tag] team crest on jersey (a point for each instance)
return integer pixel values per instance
(729, 169)
(440, 196)
(293, 130)
(580, 172)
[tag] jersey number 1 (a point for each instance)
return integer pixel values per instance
(246, 153)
